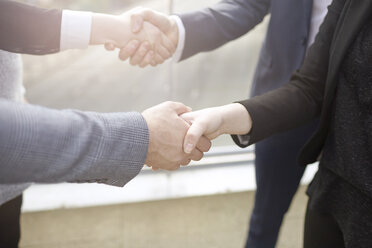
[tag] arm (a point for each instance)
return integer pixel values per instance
(212, 27)
(27, 29)
(300, 100)
(197, 31)
(32, 30)
(47, 146)
(44, 145)
(294, 104)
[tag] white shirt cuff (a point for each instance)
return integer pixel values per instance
(181, 39)
(244, 139)
(75, 29)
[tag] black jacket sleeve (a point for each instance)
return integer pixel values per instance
(27, 29)
(300, 100)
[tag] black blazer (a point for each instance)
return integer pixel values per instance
(27, 29)
(311, 90)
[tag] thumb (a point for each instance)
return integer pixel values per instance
(109, 46)
(180, 108)
(136, 22)
(158, 19)
(193, 136)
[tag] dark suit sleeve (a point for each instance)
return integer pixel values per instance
(27, 29)
(212, 27)
(300, 100)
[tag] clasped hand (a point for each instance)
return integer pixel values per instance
(152, 37)
(178, 135)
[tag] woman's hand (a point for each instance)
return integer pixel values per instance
(212, 122)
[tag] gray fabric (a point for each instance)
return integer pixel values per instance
(11, 76)
(50, 146)
(11, 88)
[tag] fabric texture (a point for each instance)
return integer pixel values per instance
(282, 53)
(342, 187)
(39, 28)
(348, 150)
(10, 231)
(48, 146)
(11, 89)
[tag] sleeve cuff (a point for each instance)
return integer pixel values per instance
(181, 39)
(75, 29)
(241, 140)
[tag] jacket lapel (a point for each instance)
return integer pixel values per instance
(355, 16)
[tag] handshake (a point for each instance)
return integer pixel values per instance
(143, 35)
(178, 135)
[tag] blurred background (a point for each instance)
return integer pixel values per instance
(204, 205)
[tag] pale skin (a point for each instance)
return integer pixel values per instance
(167, 131)
(115, 31)
(166, 128)
(213, 122)
(139, 52)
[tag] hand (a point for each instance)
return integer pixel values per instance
(167, 132)
(115, 32)
(139, 52)
(212, 122)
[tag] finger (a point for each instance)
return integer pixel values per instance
(204, 144)
(136, 22)
(158, 59)
(196, 155)
(153, 63)
(189, 117)
(173, 168)
(163, 52)
(109, 46)
(141, 53)
(168, 44)
(158, 19)
(192, 137)
(129, 50)
(180, 108)
(147, 60)
(186, 162)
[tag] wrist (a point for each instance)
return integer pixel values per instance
(109, 28)
(235, 119)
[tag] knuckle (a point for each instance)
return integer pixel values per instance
(133, 62)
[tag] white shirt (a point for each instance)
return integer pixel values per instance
(318, 13)
(75, 29)
(317, 16)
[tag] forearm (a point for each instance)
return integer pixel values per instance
(32, 30)
(27, 29)
(48, 146)
(301, 100)
(212, 27)
(109, 28)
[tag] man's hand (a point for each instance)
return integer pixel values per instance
(140, 53)
(115, 32)
(212, 122)
(167, 132)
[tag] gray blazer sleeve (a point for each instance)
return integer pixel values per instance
(212, 27)
(49, 146)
